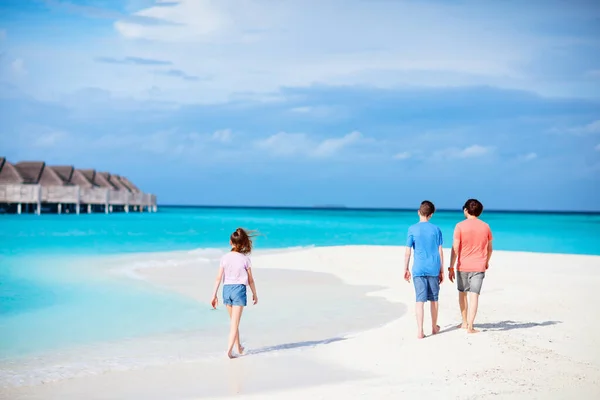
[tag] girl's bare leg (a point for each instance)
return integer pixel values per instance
(237, 338)
(234, 333)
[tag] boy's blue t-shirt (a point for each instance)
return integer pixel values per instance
(425, 238)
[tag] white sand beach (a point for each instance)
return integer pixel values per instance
(538, 315)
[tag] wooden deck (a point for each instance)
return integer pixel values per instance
(37, 187)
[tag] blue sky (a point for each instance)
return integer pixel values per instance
(379, 103)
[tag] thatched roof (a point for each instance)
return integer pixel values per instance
(64, 171)
(2, 160)
(82, 178)
(130, 185)
(102, 180)
(116, 181)
(31, 171)
(90, 174)
(9, 173)
(37, 172)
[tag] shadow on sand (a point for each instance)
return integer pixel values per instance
(289, 346)
(504, 326)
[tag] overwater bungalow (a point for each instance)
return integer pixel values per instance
(33, 186)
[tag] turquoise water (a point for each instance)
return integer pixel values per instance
(53, 294)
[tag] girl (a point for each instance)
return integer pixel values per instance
(235, 272)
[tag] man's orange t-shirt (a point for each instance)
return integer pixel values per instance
(473, 235)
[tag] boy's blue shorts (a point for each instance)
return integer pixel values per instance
(427, 288)
(234, 295)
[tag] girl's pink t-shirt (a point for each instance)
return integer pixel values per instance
(235, 268)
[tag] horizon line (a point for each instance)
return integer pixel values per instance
(345, 208)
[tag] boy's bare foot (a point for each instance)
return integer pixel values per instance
(435, 330)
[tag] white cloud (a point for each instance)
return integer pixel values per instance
(18, 66)
(474, 151)
(591, 128)
(285, 144)
(528, 157)
(222, 135)
(405, 155)
(50, 138)
(329, 147)
(301, 110)
(292, 43)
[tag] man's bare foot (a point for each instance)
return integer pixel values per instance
(435, 330)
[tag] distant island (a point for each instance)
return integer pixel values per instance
(337, 206)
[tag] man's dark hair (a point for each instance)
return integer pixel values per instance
(427, 208)
(473, 207)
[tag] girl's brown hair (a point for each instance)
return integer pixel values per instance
(241, 241)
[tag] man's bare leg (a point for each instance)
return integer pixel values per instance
(474, 302)
(462, 302)
(419, 311)
(237, 338)
(435, 328)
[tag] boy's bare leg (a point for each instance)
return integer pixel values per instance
(419, 311)
(474, 302)
(435, 328)
(462, 302)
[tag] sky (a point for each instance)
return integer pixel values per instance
(360, 103)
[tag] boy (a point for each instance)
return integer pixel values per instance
(472, 249)
(428, 267)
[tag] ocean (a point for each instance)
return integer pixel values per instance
(66, 280)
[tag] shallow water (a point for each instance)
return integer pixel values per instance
(284, 320)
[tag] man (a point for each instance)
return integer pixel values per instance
(428, 267)
(472, 250)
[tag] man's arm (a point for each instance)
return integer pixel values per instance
(407, 254)
(454, 253)
(441, 250)
(489, 254)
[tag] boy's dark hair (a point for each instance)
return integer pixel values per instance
(473, 207)
(427, 208)
(241, 241)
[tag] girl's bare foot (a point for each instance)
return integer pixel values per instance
(231, 355)
(463, 326)
(472, 330)
(241, 350)
(435, 330)
(420, 335)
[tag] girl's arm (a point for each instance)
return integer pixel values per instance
(252, 286)
(215, 300)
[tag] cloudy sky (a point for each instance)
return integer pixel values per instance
(364, 103)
